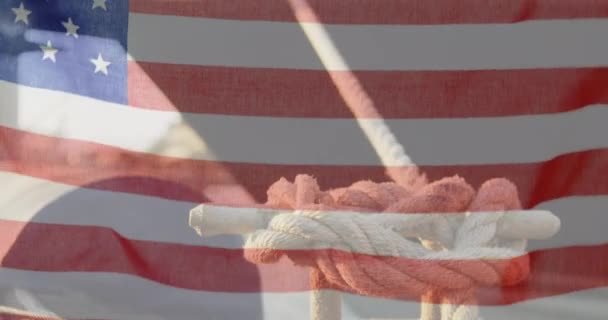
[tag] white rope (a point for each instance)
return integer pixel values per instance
(210, 220)
(400, 166)
(470, 237)
(473, 242)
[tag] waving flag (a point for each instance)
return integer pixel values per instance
(94, 196)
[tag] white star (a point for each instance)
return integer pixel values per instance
(100, 64)
(71, 28)
(21, 14)
(48, 51)
(100, 4)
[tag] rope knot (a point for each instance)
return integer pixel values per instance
(392, 254)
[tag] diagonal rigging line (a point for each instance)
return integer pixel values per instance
(392, 154)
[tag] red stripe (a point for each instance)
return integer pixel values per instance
(380, 12)
(397, 94)
(61, 248)
(83, 163)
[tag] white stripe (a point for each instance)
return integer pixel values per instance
(517, 139)
(117, 296)
(154, 219)
(534, 44)
(64, 115)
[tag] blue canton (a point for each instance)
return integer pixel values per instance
(76, 46)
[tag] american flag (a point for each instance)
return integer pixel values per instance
(97, 97)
